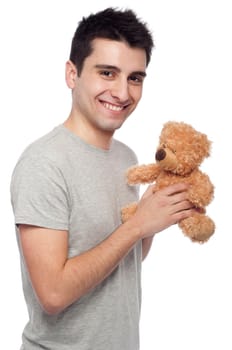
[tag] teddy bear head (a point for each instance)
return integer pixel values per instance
(181, 148)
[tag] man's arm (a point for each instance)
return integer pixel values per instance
(147, 242)
(58, 281)
(146, 246)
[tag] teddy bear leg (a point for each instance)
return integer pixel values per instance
(128, 211)
(199, 228)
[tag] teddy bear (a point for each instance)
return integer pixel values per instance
(180, 152)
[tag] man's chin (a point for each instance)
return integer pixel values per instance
(112, 127)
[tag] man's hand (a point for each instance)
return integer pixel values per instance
(158, 210)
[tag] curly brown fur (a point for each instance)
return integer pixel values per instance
(180, 152)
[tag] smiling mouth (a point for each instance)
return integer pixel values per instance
(113, 107)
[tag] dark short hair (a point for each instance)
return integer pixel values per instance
(113, 24)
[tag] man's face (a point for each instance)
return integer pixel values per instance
(110, 85)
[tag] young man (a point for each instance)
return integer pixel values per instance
(80, 265)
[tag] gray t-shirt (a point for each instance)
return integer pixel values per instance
(60, 182)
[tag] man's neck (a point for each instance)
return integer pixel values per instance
(98, 138)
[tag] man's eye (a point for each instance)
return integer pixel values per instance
(107, 73)
(136, 79)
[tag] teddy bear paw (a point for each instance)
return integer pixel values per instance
(199, 228)
(128, 211)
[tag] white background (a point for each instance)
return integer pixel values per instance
(186, 287)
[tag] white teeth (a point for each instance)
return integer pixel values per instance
(112, 107)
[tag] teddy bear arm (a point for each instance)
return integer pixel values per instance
(143, 174)
(201, 190)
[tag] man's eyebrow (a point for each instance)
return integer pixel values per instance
(107, 66)
(115, 68)
(142, 73)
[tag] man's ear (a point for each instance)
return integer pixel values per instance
(70, 74)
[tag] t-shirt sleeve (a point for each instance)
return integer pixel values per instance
(39, 194)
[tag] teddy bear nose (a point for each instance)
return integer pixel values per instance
(160, 154)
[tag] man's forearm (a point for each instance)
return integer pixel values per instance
(82, 273)
(146, 246)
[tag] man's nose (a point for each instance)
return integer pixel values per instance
(120, 90)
